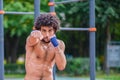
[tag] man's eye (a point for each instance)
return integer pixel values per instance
(43, 30)
(50, 30)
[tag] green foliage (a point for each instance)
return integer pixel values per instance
(16, 27)
(71, 15)
(44, 6)
(14, 69)
(74, 15)
(77, 67)
(107, 23)
(106, 11)
(18, 24)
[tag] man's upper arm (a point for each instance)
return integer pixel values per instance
(62, 46)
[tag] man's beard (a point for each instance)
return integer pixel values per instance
(45, 41)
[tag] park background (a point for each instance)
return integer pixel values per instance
(75, 15)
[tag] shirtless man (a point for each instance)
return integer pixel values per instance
(43, 50)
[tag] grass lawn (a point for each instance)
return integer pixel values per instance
(100, 76)
(112, 76)
(14, 75)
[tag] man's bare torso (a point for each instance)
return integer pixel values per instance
(40, 62)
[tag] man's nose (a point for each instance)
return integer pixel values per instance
(47, 34)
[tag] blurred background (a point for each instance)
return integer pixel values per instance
(76, 15)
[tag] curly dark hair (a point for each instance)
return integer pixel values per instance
(48, 20)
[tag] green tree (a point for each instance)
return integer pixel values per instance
(77, 15)
(16, 27)
(108, 23)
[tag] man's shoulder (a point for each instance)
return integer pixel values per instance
(61, 42)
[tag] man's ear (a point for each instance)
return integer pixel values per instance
(33, 28)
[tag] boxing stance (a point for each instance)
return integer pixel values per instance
(43, 49)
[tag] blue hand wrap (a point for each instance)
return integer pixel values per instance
(54, 41)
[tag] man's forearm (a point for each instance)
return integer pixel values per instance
(60, 59)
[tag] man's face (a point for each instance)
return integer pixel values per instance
(47, 32)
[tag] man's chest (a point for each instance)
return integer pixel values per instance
(45, 52)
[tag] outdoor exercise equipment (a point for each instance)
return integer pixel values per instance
(36, 12)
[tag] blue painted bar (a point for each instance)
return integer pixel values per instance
(1, 43)
(74, 29)
(21, 13)
(92, 39)
(68, 1)
(36, 8)
(8, 12)
(52, 8)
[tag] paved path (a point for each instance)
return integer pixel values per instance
(62, 78)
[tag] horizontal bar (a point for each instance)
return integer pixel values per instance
(114, 42)
(19, 13)
(68, 1)
(74, 29)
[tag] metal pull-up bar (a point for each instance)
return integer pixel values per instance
(8, 12)
(78, 29)
(68, 1)
(91, 28)
(52, 3)
(17, 13)
(1, 43)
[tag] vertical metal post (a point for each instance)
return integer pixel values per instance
(36, 8)
(1, 43)
(92, 39)
(54, 72)
(52, 8)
